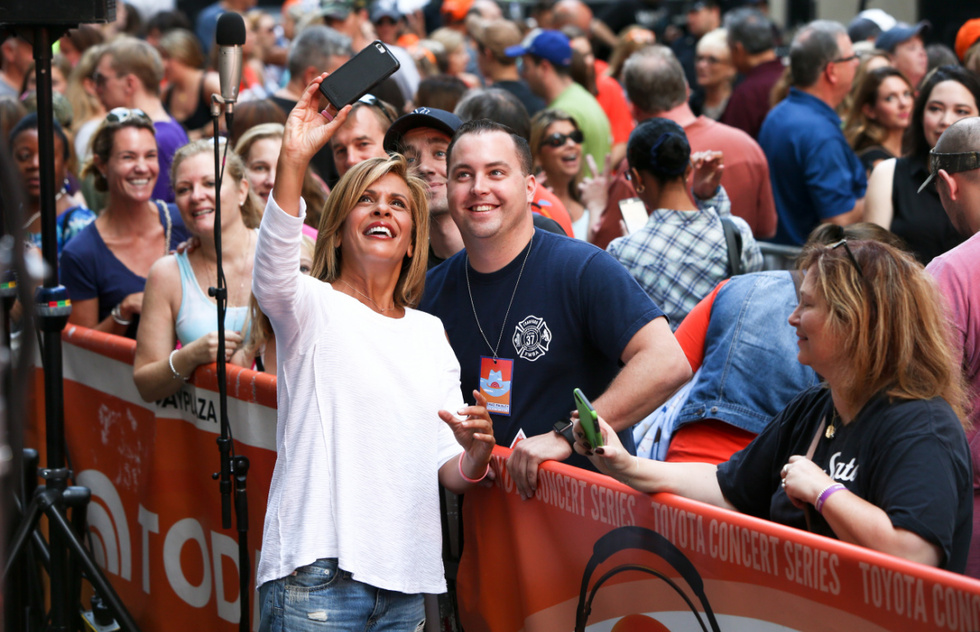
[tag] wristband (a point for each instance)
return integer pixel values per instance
(467, 478)
(828, 491)
(177, 376)
(117, 316)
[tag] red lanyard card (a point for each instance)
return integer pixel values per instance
(496, 379)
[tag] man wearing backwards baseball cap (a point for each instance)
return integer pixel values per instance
(903, 43)
(955, 166)
(423, 136)
(547, 57)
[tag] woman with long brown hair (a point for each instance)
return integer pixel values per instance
(879, 115)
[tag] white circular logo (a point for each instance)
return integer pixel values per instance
(531, 338)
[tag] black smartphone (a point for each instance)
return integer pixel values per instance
(588, 419)
(363, 71)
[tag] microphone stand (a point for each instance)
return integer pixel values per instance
(231, 465)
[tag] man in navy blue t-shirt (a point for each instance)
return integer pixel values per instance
(532, 315)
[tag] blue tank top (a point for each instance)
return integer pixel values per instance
(198, 316)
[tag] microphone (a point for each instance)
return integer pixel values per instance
(230, 37)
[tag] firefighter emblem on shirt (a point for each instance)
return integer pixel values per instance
(531, 338)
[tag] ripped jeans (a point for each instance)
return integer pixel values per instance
(321, 597)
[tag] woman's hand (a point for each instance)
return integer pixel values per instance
(708, 167)
(131, 306)
(475, 433)
(595, 190)
(612, 458)
(803, 480)
(594, 193)
(204, 350)
(308, 129)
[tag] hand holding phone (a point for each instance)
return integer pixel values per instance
(588, 419)
(363, 71)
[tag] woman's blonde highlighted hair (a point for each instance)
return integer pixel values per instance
(328, 256)
(252, 208)
(892, 321)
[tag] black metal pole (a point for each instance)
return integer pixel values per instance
(53, 312)
(231, 465)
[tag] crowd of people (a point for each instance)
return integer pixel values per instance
(462, 243)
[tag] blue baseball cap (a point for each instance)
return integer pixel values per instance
(899, 33)
(441, 120)
(550, 45)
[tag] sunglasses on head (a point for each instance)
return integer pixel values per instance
(558, 140)
(372, 101)
(850, 255)
(121, 115)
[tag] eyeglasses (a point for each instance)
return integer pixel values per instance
(121, 115)
(558, 139)
(850, 255)
(374, 102)
(845, 59)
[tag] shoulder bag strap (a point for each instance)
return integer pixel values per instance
(733, 238)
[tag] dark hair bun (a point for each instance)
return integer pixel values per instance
(659, 146)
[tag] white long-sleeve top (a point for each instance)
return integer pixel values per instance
(358, 441)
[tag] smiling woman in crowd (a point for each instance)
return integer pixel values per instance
(177, 306)
(104, 267)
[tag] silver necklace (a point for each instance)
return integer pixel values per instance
(503, 325)
(376, 306)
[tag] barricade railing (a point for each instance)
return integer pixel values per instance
(155, 526)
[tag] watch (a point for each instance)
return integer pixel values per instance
(564, 429)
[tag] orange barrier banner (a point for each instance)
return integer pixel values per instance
(587, 553)
(639, 562)
(155, 516)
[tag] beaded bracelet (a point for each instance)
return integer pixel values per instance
(466, 478)
(828, 491)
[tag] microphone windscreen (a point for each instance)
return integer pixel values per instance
(230, 30)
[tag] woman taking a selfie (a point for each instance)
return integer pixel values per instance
(870, 321)
(352, 523)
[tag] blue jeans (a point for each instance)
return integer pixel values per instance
(322, 597)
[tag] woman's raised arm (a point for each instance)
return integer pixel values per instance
(308, 129)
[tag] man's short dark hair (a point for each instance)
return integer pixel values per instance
(563, 71)
(498, 105)
(750, 28)
(812, 49)
(314, 46)
(486, 126)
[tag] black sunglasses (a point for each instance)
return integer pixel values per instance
(850, 255)
(557, 139)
